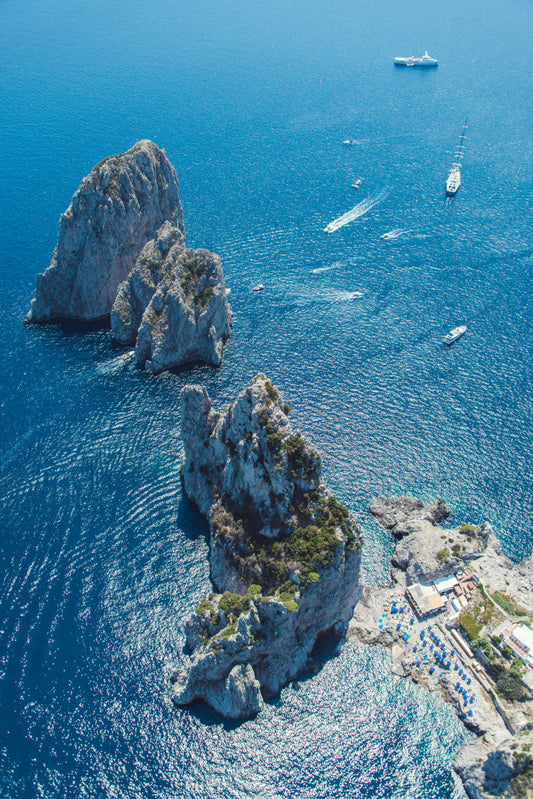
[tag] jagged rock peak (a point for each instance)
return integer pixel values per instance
(250, 453)
(118, 207)
(173, 304)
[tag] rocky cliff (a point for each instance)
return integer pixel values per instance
(284, 553)
(117, 208)
(173, 304)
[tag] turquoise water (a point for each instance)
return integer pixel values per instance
(102, 556)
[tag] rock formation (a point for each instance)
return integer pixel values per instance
(117, 208)
(421, 539)
(284, 553)
(173, 304)
(504, 770)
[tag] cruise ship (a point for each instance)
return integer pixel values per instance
(411, 61)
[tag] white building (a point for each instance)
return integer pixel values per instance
(522, 637)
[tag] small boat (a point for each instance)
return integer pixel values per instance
(454, 334)
(356, 184)
(259, 287)
(128, 355)
(411, 61)
(348, 142)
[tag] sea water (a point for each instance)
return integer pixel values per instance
(101, 555)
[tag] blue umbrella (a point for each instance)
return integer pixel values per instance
(470, 713)
(469, 681)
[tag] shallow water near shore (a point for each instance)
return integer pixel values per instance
(102, 556)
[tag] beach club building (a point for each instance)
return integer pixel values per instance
(428, 600)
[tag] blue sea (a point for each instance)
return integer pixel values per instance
(101, 554)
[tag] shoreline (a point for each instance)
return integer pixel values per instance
(426, 633)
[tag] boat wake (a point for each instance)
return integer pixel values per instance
(114, 365)
(358, 210)
(395, 233)
(323, 269)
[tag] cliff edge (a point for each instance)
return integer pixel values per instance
(285, 554)
(117, 208)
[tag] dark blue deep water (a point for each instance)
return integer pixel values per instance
(101, 556)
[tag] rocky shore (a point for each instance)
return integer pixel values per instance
(285, 554)
(458, 651)
(121, 253)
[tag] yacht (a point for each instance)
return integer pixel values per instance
(411, 61)
(454, 334)
(453, 180)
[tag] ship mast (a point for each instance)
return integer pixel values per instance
(459, 153)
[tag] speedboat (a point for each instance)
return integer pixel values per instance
(259, 287)
(356, 184)
(349, 141)
(454, 334)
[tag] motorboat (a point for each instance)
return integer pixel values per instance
(259, 287)
(356, 184)
(454, 334)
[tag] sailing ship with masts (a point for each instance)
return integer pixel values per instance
(454, 178)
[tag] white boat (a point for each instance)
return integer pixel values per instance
(349, 141)
(259, 287)
(454, 334)
(356, 184)
(453, 180)
(411, 61)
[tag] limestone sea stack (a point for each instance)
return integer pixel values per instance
(173, 304)
(285, 553)
(118, 207)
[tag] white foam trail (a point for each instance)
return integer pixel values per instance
(109, 367)
(341, 296)
(323, 269)
(357, 211)
(394, 233)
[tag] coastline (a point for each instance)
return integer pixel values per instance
(426, 632)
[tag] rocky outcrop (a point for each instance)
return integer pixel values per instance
(117, 208)
(284, 553)
(502, 769)
(404, 515)
(424, 552)
(173, 305)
